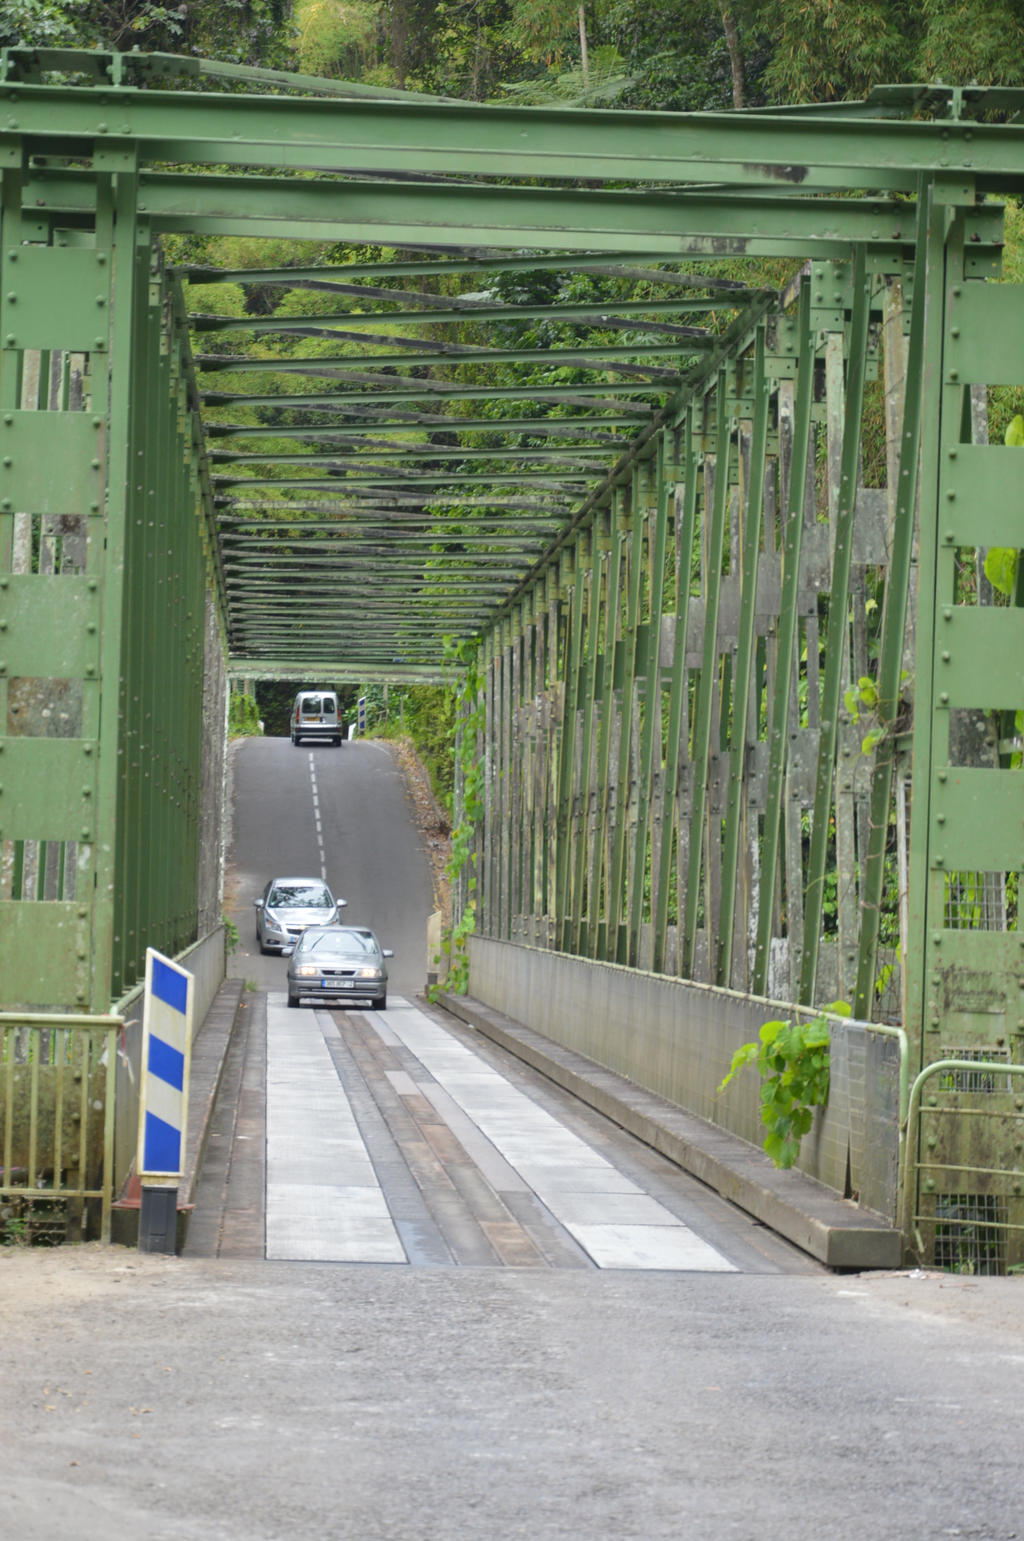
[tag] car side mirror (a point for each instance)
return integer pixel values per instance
(257, 904)
(389, 952)
(341, 903)
(286, 952)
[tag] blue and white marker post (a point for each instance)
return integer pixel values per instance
(163, 1102)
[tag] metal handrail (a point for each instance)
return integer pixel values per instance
(910, 1162)
(36, 1023)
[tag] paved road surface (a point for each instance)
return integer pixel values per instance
(215, 1400)
(356, 1136)
(499, 1383)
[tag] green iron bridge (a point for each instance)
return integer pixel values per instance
(751, 705)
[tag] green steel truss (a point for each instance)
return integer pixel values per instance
(752, 708)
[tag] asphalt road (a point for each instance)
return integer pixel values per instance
(224, 1397)
(340, 814)
(172, 1400)
(356, 1136)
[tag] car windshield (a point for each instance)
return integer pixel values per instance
(339, 941)
(300, 896)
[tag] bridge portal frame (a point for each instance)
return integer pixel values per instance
(647, 798)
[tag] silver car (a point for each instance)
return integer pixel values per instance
(336, 963)
(287, 906)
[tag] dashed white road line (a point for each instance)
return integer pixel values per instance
(316, 818)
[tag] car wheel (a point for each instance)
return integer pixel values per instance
(336, 742)
(380, 1002)
(293, 1000)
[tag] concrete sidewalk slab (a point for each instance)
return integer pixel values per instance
(836, 1231)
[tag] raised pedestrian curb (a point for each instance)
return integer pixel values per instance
(836, 1231)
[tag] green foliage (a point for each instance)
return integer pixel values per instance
(426, 713)
(15, 1231)
(828, 50)
(231, 936)
(243, 716)
(469, 717)
(251, 32)
(863, 701)
(793, 1061)
(1002, 562)
(36, 22)
(1001, 568)
(335, 37)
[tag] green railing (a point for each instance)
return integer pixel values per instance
(962, 1211)
(56, 1125)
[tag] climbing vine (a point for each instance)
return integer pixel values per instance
(461, 866)
(793, 1061)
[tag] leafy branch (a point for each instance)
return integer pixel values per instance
(793, 1061)
(863, 700)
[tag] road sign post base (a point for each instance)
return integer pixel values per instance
(158, 1219)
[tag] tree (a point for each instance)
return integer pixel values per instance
(972, 42)
(690, 56)
(832, 50)
(238, 31)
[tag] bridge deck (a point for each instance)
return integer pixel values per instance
(405, 1137)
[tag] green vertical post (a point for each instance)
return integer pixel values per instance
(582, 901)
(626, 650)
(714, 546)
(838, 622)
(677, 690)
(116, 224)
(749, 555)
(650, 670)
(779, 725)
(596, 937)
(575, 565)
(923, 350)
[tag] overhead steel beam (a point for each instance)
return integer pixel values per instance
(563, 219)
(631, 313)
(369, 136)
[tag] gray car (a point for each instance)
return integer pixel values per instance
(287, 906)
(339, 963)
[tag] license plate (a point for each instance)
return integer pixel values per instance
(336, 984)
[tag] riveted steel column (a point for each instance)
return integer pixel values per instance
(573, 566)
(835, 646)
(625, 676)
(780, 706)
(716, 472)
(582, 895)
(675, 749)
(965, 949)
(596, 937)
(487, 875)
(640, 899)
(742, 690)
(923, 353)
(58, 735)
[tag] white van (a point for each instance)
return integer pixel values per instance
(315, 715)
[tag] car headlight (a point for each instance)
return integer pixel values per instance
(306, 970)
(271, 921)
(367, 973)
